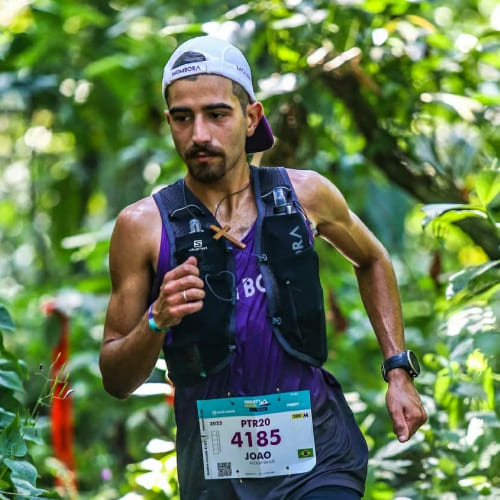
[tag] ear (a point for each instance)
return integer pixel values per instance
(166, 112)
(254, 114)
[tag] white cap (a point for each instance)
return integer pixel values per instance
(213, 56)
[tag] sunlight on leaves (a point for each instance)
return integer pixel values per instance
(471, 320)
(466, 107)
(450, 212)
(487, 186)
(474, 280)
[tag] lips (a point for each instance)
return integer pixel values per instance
(202, 157)
(202, 153)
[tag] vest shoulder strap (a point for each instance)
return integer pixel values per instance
(266, 179)
(270, 178)
(178, 207)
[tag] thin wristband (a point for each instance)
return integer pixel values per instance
(152, 323)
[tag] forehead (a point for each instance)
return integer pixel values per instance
(202, 89)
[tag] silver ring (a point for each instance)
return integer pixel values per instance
(184, 295)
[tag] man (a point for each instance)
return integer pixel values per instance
(205, 271)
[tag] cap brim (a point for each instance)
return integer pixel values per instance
(262, 139)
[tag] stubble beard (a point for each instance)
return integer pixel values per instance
(207, 173)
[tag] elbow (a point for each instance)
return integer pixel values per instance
(375, 260)
(114, 385)
(115, 390)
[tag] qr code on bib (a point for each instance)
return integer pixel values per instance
(224, 469)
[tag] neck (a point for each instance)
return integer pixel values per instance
(225, 195)
(232, 203)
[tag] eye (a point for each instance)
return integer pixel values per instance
(217, 115)
(181, 117)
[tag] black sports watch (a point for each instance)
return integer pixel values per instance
(406, 360)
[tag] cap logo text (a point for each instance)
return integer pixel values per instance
(194, 68)
(242, 70)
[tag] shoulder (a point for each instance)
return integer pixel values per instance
(319, 197)
(307, 183)
(138, 226)
(337, 224)
(138, 212)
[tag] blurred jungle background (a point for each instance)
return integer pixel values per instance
(395, 101)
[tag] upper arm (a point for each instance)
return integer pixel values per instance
(133, 249)
(336, 223)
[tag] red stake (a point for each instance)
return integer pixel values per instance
(61, 410)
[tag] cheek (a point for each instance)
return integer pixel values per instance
(244, 137)
(179, 144)
(178, 135)
(239, 134)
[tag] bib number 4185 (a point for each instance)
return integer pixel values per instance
(260, 438)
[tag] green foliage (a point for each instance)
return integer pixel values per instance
(370, 94)
(17, 473)
(155, 477)
(465, 423)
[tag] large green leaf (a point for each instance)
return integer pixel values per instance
(10, 380)
(11, 440)
(488, 185)
(474, 280)
(26, 489)
(5, 418)
(33, 434)
(6, 322)
(450, 212)
(23, 470)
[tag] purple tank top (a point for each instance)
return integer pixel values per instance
(261, 366)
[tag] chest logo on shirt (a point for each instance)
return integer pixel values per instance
(251, 286)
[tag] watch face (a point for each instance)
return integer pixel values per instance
(415, 365)
(406, 360)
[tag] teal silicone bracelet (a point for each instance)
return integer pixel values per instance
(152, 323)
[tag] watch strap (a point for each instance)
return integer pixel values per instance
(401, 360)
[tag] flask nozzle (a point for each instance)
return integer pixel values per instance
(281, 205)
(195, 226)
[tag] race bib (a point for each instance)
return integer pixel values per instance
(258, 436)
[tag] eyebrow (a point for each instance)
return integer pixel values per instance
(208, 107)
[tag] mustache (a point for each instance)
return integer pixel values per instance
(205, 149)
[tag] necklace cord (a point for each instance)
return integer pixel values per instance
(229, 195)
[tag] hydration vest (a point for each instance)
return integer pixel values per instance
(202, 343)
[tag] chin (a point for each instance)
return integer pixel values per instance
(207, 174)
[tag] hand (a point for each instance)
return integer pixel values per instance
(181, 293)
(404, 405)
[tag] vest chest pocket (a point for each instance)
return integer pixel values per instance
(202, 341)
(210, 325)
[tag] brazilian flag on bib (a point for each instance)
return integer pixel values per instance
(305, 452)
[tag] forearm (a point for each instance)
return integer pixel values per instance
(126, 362)
(129, 353)
(380, 296)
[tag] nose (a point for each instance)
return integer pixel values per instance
(201, 132)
